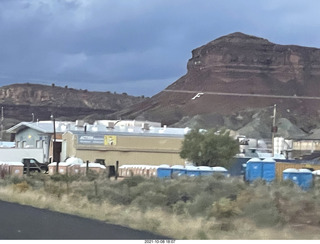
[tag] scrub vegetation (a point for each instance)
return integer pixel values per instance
(208, 207)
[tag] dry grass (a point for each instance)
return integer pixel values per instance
(259, 212)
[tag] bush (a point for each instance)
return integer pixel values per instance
(150, 200)
(263, 212)
(116, 196)
(14, 179)
(209, 207)
(21, 187)
(92, 175)
(133, 181)
(179, 208)
(200, 205)
(224, 208)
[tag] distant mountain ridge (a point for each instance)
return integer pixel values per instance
(20, 101)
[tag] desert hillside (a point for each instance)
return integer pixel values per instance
(24, 102)
(241, 64)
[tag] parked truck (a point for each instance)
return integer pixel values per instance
(32, 158)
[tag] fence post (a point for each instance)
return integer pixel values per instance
(87, 167)
(117, 168)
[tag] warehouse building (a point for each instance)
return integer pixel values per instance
(40, 135)
(129, 145)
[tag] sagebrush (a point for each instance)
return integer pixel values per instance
(208, 207)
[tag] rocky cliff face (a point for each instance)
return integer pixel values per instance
(241, 64)
(249, 64)
(20, 101)
(41, 95)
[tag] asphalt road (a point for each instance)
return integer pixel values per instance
(19, 222)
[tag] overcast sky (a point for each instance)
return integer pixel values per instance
(134, 46)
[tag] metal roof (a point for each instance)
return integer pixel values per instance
(98, 129)
(133, 131)
(43, 126)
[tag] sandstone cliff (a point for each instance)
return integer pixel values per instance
(243, 64)
(20, 101)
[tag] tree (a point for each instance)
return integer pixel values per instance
(209, 148)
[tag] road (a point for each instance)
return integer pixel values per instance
(20, 222)
(242, 94)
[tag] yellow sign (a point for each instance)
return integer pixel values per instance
(110, 140)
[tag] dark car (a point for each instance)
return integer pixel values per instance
(34, 165)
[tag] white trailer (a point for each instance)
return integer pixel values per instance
(18, 154)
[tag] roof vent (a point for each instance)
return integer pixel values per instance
(145, 126)
(79, 123)
(110, 125)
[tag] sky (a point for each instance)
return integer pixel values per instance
(138, 47)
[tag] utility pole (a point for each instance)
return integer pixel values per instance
(54, 143)
(274, 128)
(1, 124)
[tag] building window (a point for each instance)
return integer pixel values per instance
(24, 144)
(39, 143)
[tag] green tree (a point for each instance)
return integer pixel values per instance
(209, 148)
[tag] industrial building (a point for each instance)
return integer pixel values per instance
(126, 141)
(130, 145)
(40, 134)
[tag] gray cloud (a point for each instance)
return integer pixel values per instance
(135, 46)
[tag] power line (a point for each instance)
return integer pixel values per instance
(242, 94)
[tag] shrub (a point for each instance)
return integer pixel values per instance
(92, 175)
(201, 235)
(179, 208)
(263, 212)
(55, 189)
(224, 208)
(200, 205)
(133, 181)
(150, 200)
(21, 187)
(174, 193)
(63, 177)
(117, 196)
(14, 179)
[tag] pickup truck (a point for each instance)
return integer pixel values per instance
(34, 165)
